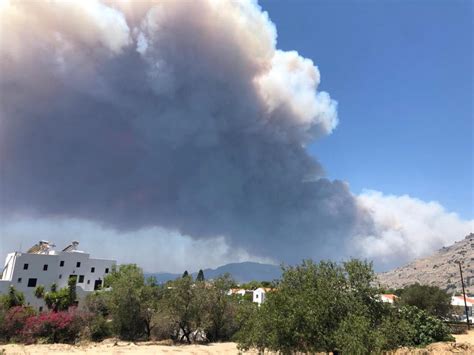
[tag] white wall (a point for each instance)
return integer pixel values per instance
(88, 271)
(259, 296)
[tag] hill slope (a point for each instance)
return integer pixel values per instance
(241, 272)
(440, 269)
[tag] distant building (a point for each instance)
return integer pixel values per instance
(237, 291)
(259, 294)
(458, 301)
(388, 298)
(42, 265)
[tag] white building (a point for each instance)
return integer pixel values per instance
(237, 291)
(388, 298)
(259, 294)
(42, 265)
(458, 301)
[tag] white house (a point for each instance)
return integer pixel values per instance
(259, 294)
(388, 298)
(458, 301)
(237, 291)
(42, 265)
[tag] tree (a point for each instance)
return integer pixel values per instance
(221, 309)
(200, 275)
(71, 283)
(57, 300)
(185, 274)
(303, 313)
(333, 307)
(432, 299)
(182, 301)
(13, 298)
(132, 302)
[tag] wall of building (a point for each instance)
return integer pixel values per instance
(27, 271)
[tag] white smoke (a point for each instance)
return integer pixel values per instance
(407, 228)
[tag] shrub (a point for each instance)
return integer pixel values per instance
(99, 328)
(14, 322)
(53, 327)
(425, 329)
(329, 307)
(12, 299)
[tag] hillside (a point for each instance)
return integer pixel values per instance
(241, 272)
(440, 269)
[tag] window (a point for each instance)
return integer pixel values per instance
(81, 279)
(88, 282)
(60, 276)
(256, 295)
(25, 266)
(32, 282)
(61, 263)
(45, 267)
(19, 280)
(40, 308)
(78, 264)
(106, 270)
(92, 269)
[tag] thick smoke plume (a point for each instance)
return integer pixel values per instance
(176, 114)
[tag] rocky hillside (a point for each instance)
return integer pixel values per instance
(440, 269)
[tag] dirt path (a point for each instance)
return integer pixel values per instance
(119, 348)
(464, 345)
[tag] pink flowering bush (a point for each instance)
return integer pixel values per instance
(53, 327)
(14, 321)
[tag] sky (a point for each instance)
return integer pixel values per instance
(270, 131)
(401, 72)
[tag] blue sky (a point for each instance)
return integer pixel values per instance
(401, 72)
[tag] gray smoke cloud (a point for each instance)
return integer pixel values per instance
(181, 115)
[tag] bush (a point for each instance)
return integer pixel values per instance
(14, 322)
(425, 329)
(54, 327)
(328, 307)
(99, 328)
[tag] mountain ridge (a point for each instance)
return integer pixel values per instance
(439, 269)
(241, 272)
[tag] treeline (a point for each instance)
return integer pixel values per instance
(314, 307)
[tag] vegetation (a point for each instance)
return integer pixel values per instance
(314, 307)
(431, 299)
(58, 300)
(131, 302)
(200, 276)
(330, 307)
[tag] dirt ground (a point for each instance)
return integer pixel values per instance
(464, 345)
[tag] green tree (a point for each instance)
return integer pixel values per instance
(97, 305)
(312, 309)
(183, 302)
(333, 307)
(132, 302)
(185, 274)
(200, 275)
(11, 299)
(71, 284)
(432, 299)
(57, 300)
(221, 309)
